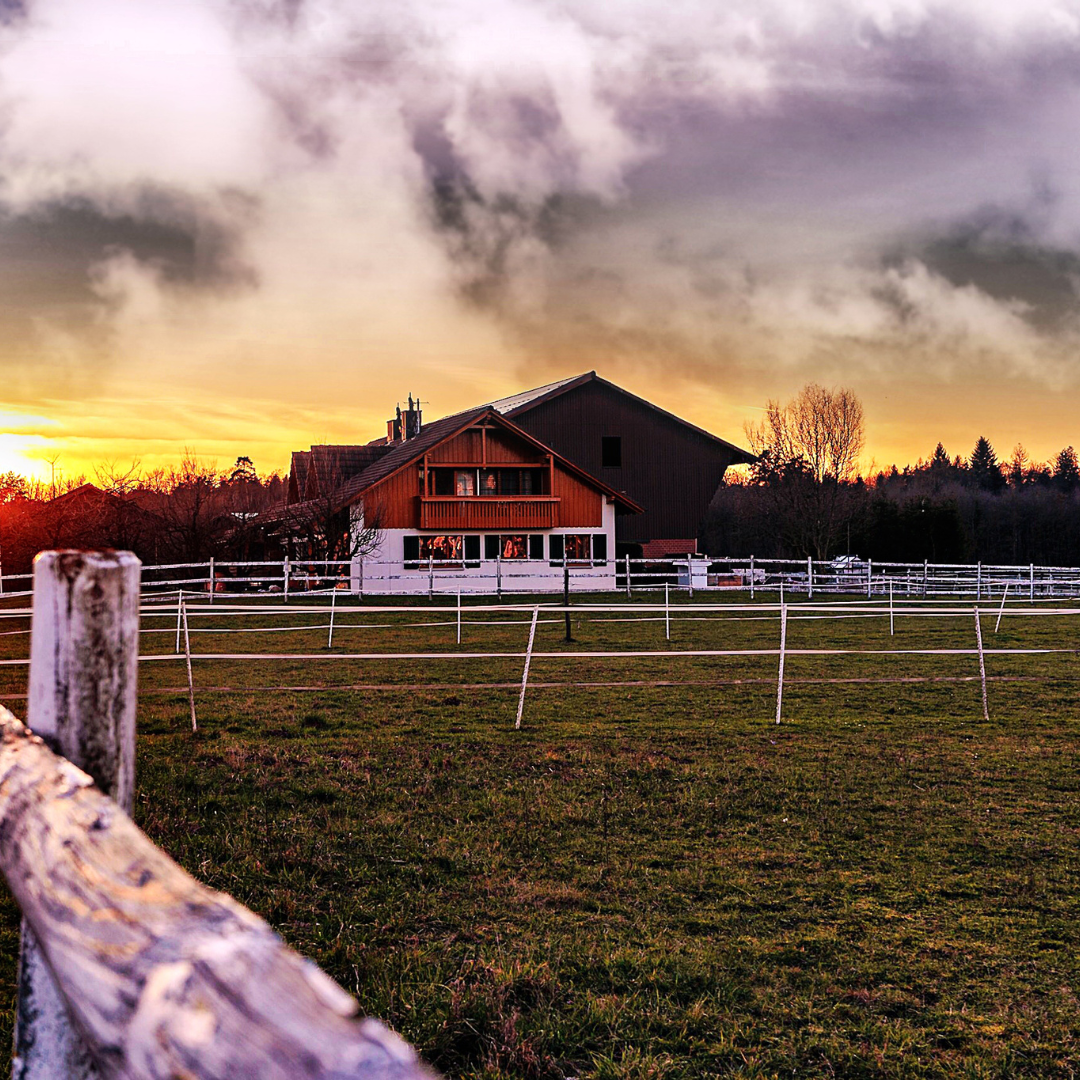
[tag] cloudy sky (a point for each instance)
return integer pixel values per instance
(247, 226)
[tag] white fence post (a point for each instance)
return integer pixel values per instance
(525, 673)
(925, 574)
(667, 612)
(430, 576)
(285, 572)
(891, 622)
(751, 577)
(1001, 610)
(213, 584)
(628, 577)
(780, 670)
(330, 637)
(179, 613)
(810, 577)
(869, 576)
(190, 677)
(84, 653)
(690, 577)
(978, 581)
(982, 665)
(1031, 582)
(459, 616)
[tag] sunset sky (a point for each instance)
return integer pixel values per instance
(243, 227)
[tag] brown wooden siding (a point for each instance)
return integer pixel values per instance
(671, 470)
(403, 505)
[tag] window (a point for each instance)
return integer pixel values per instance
(588, 548)
(511, 482)
(514, 547)
(441, 552)
(464, 482)
(611, 451)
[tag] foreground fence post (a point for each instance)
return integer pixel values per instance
(751, 577)
(330, 636)
(525, 673)
(780, 670)
(892, 624)
(667, 614)
(566, 595)
(84, 650)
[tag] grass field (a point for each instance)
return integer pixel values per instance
(646, 880)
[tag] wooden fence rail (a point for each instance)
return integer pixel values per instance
(159, 976)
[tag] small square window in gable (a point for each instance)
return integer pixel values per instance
(611, 451)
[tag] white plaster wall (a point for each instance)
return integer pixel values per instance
(383, 571)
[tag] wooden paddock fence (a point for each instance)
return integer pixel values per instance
(130, 969)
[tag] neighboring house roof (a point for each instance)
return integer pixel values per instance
(530, 399)
(406, 453)
(301, 460)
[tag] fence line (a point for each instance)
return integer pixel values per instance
(845, 574)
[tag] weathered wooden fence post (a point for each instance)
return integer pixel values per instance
(84, 652)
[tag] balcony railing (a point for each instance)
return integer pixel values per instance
(489, 512)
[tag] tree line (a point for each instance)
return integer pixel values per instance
(805, 496)
(188, 512)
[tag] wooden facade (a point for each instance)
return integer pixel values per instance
(409, 496)
(668, 466)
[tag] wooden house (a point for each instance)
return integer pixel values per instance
(472, 500)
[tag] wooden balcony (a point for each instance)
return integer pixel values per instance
(518, 513)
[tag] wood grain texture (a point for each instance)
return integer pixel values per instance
(82, 698)
(164, 977)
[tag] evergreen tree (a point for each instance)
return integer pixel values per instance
(939, 459)
(1066, 470)
(984, 466)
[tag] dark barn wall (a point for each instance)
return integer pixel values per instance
(668, 468)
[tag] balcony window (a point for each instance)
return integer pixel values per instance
(464, 482)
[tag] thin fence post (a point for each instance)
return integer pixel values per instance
(667, 613)
(689, 577)
(566, 594)
(212, 582)
(982, 665)
(628, 576)
(459, 616)
(84, 651)
(430, 576)
(810, 577)
(498, 576)
(751, 577)
(978, 581)
(525, 673)
(891, 622)
(190, 677)
(780, 670)
(925, 573)
(1001, 610)
(285, 571)
(330, 637)
(1031, 583)
(179, 615)
(869, 576)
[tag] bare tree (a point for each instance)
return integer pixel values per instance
(808, 458)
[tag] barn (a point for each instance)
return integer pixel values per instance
(665, 464)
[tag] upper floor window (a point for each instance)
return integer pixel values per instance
(464, 482)
(611, 451)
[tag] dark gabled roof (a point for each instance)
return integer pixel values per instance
(517, 404)
(405, 453)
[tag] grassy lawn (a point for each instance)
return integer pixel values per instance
(645, 881)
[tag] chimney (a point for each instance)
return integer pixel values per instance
(393, 428)
(412, 418)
